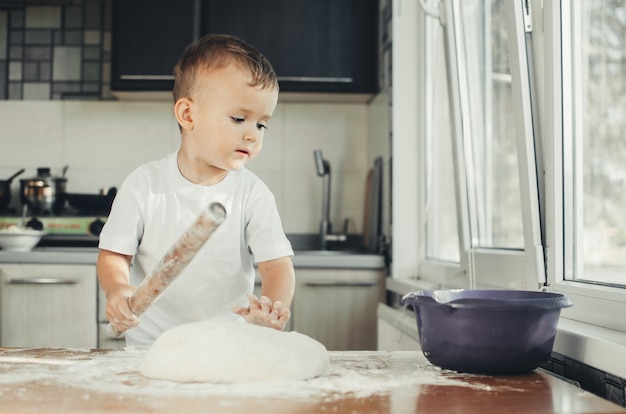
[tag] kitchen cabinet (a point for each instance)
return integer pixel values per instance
(258, 287)
(327, 46)
(148, 37)
(397, 329)
(48, 305)
(314, 46)
(338, 306)
(105, 340)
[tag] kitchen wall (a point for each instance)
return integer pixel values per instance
(56, 109)
(102, 141)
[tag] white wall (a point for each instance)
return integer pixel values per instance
(102, 141)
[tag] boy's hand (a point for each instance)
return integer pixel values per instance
(263, 312)
(118, 311)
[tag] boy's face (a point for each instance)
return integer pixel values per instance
(226, 118)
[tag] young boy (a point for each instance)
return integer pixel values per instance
(225, 93)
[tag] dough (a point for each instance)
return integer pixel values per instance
(233, 352)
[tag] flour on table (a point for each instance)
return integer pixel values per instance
(233, 352)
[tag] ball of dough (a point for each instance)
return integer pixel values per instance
(233, 352)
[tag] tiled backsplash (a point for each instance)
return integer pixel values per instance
(54, 49)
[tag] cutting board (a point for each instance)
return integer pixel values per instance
(372, 216)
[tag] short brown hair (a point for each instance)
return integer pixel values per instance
(215, 51)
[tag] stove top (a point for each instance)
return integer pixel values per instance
(62, 231)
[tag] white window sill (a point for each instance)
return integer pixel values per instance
(601, 348)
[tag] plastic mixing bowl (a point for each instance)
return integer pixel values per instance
(487, 331)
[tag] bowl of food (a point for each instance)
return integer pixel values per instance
(19, 239)
(486, 331)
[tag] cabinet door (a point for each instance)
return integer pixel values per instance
(48, 306)
(338, 307)
(148, 37)
(314, 46)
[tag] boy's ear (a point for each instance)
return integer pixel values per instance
(183, 112)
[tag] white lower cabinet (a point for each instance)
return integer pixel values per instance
(106, 341)
(397, 330)
(338, 306)
(48, 305)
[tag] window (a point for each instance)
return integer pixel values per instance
(557, 101)
(442, 237)
(595, 145)
(492, 155)
(528, 176)
(585, 119)
(493, 142)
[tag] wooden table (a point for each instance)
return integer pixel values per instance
(67, 380)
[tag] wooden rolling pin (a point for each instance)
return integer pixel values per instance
(174, 261)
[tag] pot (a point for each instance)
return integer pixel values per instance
(487, 331)
(43, 193)
(99, 204)
(5, 190)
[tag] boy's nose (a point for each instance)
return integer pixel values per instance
(251, 135)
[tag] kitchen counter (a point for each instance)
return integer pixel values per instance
(108, 381)
(317, 259)
(52, 255)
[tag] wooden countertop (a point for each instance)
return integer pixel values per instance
(87, 381)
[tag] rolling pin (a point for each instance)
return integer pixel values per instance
(174, 261)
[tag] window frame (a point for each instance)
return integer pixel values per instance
(601, 306)
(598, 305)
(525, 268)
(446, 273)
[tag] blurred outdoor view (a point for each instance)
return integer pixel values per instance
(600, 60)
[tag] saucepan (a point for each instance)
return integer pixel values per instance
(5, 190)
(487, 331)
(44, 192)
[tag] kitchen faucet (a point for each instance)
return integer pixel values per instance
(323, 170)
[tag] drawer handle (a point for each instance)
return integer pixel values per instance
(321, 79)
(147, 77)
(311, 79)
(356, 283)
(44, 281)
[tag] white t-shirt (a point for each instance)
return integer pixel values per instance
(155, 205)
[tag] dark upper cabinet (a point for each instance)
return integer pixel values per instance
(148, 37)
(327, 46)
(314, 45)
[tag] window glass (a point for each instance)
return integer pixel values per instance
(595, 150)
(495, 185)
(442, 224)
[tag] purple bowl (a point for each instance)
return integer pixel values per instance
(487, 331)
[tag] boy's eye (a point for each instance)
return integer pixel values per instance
(239, 120)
